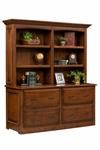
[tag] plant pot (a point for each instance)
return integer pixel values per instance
(27, 42)
(32, 41)
(62, 43)
(77, 80)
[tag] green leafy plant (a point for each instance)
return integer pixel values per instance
(27, 35)
(77, 76)
(61, 38)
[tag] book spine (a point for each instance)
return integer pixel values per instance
(70, 37)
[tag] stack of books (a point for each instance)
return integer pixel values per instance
(31, 78)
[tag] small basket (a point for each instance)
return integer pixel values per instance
(31, 42)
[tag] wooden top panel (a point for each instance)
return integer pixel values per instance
(52, 86)
(46, 23)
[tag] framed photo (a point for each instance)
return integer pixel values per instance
(59, 78)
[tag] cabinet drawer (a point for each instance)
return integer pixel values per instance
(43, 117)
(78, 95)
(41, 98)
(77, 113)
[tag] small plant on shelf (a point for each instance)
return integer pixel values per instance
(77, 77)
(27, 37)
(30, 38)
(62, 40)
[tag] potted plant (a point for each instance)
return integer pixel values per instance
(77, 77)
(27, 37)
(82, 77)
(62, 40)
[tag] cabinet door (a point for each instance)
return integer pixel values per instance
(41, 117)
(41, 98)
(78, 95)
(75, 113)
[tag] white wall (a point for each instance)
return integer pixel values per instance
(78, 11)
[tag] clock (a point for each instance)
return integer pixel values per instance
(39, 58)
(72, 58)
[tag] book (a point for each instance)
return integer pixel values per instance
(70, 37)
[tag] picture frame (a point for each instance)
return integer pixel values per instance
(59, 78)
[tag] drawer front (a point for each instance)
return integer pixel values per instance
(77, 113)
(43, 117)
(78, 95)
(41, 98)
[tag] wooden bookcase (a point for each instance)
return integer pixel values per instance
(46, 106)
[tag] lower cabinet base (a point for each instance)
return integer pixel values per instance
(45, 109)
(49, 128)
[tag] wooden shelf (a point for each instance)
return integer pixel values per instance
(48, 66)
(33, 66)
(32, 46)
(69, 66)
(69, 47)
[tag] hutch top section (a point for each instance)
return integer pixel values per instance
(47, 23)
(44, 49)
